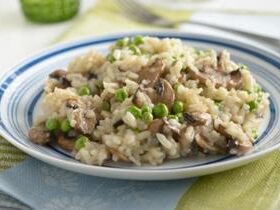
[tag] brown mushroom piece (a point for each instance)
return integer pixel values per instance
(60, 76)
(170, 129)
(235, 79)
(118, 154)
(39, 135)
(222, 58)
(156, 126)
(85, 119)
(207, 146)
(151, 73)
(235, 146)
(65, 143)
(208, 73)
(229, 80)
(197, 118)
(162, 93)
(140, 98)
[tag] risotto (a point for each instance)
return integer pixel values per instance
(149, 100)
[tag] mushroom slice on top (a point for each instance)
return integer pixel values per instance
(162, 93)
(83, 117)
(118, 154)
(60, 76)
(207, 73)
(140, 98)
(235, 144)
(235, 79)
(39, 135)
(197, 118)
(229, 80)
(206, 145)
(152, 73)
(156, 126)
(65, 143)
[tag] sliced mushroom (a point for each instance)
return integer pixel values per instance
(118, 123)
(218, 77)
(235, 79)
(136, 98)
(72, 103)
(156, 126)
(57, 74)
(171, 129)
(39, 135)
(152, 73)
(60, 76)
(197, 118)
(140, 98)
(72, 134)
(90, 75)
(162, 93)
(118, 154)
(235, 146)
(222, 57)
(205, 144)
(65, 143)
(208, 73)
(85, 119)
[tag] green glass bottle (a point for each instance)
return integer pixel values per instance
(48, 11)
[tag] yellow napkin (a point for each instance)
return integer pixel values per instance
(106, 17)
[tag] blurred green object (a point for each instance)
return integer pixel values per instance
(48, 11)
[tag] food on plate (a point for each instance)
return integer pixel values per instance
(149, 100)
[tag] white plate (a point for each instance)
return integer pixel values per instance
(21, 90)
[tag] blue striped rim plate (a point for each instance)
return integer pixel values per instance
(21, 91)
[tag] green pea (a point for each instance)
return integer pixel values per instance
(81, 142)
(200, 53)
(258, 88)
(137, 113)
(180, 117)
(176, 86)
(52, 124)
(255, 133)
(121, 94)
(147, 117)
(120, 43)
(106, 106)
(84, 91)
(172, 116)
(135, 49)
(218, 103)
(146, 108)
(99, 85)
(111, 58)
(253, 105)
(242, 66)
(185, 68)
(65, 126)
(177, 107)
(138, 40)
(174, 61)
(160, 110)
